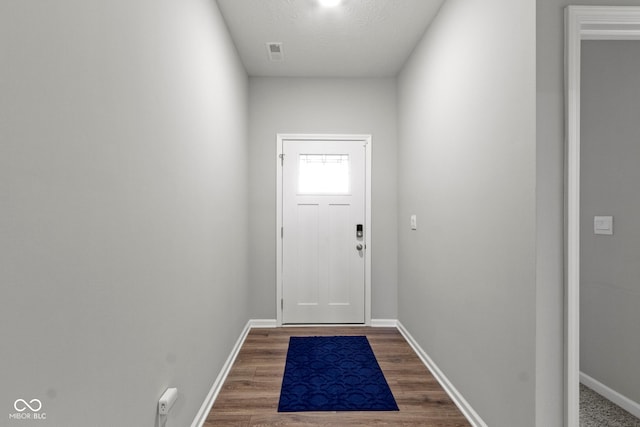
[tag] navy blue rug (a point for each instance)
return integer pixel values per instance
(333, 374)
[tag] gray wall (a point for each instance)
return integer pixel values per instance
(550, 212)
(123, 184)
(298, 105)
(610, 271)
(467, 169)
(550, 202)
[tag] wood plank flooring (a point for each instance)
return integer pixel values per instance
(250, 394)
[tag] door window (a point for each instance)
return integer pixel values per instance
(323, 174)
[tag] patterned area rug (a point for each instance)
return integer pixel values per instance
(596, 411)
(333, 374)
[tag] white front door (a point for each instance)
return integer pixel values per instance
(323, 236)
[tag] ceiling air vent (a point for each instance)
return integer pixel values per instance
(275, 51)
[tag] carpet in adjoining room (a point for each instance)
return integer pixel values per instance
(333, 374)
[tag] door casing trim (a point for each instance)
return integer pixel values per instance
(366, 140)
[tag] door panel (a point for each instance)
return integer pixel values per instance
(340, 237)
(323, 197)
(308, 252)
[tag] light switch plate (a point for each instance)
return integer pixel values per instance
(414, 222)
(603, 225)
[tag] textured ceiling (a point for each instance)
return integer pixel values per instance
(359, 38)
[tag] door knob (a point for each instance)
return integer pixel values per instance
(359, 247)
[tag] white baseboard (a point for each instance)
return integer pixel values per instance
(384, 323)
(201, 416)
(455, 395)
(263, 323)
(610, 394)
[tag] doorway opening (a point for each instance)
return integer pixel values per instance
(581, 23)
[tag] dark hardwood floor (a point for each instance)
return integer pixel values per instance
(250, 394)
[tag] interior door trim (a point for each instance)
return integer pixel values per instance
(366, 141)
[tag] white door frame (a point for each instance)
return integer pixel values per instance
(581, 23)
(366, 140)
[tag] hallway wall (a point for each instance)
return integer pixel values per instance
(322, 105)
(123, 185)
(466, 166)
